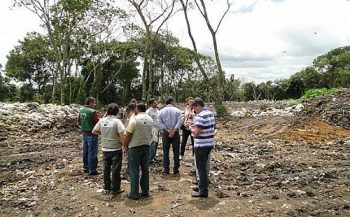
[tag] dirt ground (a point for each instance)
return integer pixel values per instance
(262, 166)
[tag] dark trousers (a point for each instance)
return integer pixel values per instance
(167, 141)
(185, 134)
(138, 157)
(112, 161)
(201, 155)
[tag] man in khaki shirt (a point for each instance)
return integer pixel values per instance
(137, 142)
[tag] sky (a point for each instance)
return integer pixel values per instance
(258, 40)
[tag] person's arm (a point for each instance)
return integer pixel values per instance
(180, 120)
(96, 130)
(95, 117)
(122, 139)
(78, 120)
(195, 130)
(161, 121)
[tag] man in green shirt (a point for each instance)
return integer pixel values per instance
(87, 119)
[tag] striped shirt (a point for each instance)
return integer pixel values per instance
(204, 120)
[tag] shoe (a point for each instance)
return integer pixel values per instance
(145, 195)
(85, 171)
(196, 194)
(114, 193)
(176, 172)
(195, 188)
(106, 192)
(166, 172)
(95, 173)
(181, 157)
(132, 198)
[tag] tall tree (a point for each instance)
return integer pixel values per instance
(69, 25)
(153, 15)
(202, 8)
(29, 62)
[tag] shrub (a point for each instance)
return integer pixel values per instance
(221, 110)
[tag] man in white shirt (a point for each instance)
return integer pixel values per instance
(153, 112)
(111, 130)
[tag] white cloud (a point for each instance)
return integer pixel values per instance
(14, 25)
(266, 40)
(259, 40)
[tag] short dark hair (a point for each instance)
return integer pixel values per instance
(169, 100)
(89, 99)
(112, 109)
(151, 101)
(198, 101)
(141, 107)
(130, 107)
(133, 100)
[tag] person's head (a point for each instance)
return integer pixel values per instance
(133, 100)
(197, 105)
(131, 108)
(153, 103)
(170, 100)
(90, 101)
(112, 109)
(189, 100)
(140, 107)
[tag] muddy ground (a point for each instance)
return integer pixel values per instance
(261, 166)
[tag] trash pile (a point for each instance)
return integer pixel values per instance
(33, 116)
(335, 109)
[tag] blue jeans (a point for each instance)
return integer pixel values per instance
(175, 141)
(201, 155)
(153, 151)
(138, 157)
(112, 162)
(90, 149)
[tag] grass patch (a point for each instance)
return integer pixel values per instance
(313, 93)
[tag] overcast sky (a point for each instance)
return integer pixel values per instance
(259, 40)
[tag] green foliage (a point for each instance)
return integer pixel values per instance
(221, 110)
(313, 93)
(26, 93)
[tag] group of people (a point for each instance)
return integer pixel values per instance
(136, 136)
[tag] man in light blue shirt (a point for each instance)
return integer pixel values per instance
(170, 121)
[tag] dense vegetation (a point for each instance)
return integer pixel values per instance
(79, 56)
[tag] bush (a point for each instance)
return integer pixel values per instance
(312, 93)
(221, 110)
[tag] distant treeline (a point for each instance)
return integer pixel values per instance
(110, 72)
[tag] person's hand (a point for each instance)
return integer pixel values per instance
(125, 152)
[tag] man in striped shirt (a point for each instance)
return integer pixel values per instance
(203, 130)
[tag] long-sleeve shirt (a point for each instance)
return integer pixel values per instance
(170, 117)
(154, 114)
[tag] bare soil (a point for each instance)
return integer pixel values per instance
(263, 166)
